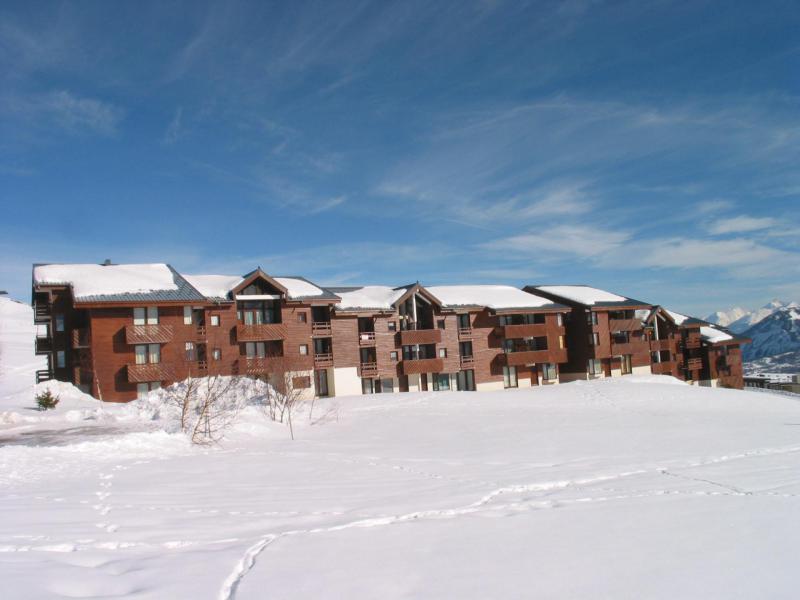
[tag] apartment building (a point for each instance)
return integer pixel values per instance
(605, 332)
(119, 331)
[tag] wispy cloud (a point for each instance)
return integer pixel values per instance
(66, 111)
(741, 224)
(582, 241)
(174, 130)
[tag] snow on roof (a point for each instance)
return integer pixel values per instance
(297, 287)
(378, 297)
(107, 280)
(677, 317)
(496, 297)
(714, 335)
(582, 293)
(214, 286)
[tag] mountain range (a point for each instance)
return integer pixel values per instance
(740, 319)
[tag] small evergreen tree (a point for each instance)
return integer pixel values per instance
(45, 400)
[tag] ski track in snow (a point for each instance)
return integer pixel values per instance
(484, 504)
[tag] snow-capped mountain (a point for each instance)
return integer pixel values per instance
(778, 333)
(740, 319)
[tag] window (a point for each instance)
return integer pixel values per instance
(303, 349)
(214, 320)
(465, 381)
(216, 354)
(510, 377)
(393, 355)
(152, 315)
(154, 353)
(367, 386)
(591, 317)
(143, 388)
(463, 321)
(190, 352)
(561, 342)
(594, 339)
(594, 366)
(442, 352)
(465, 348)
(187, 315)
(61, 359)
(440, 323)
(549, 371)
(59, 322)
(387, 386)
(392, 325)
(138, 316)
(441, 382)
(147, 353)
(560, 320)
(625, 365)
(302, 317)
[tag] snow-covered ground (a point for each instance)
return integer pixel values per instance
(628, 488)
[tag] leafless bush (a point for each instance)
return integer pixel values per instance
(205, 407)
(286, 390)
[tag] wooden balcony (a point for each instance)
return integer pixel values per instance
(692, 342)
(465, 333)
(528, 357)
(630, 348)
(41, 312)
(467, 362)
(150, 372)
(200, 332)
(80, 338)
(663, 368)
(321, 329)
(412, 337)
(694, 364)
(422, 365)
(253, 366)
(261, 333)
(366, 338)
(624, 324)
(43, 375)
(659, 345)
(511, 332)
(368, 370)
(44, 344)
(323, 360)
(148, 334)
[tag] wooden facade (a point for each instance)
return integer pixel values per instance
(415, 343)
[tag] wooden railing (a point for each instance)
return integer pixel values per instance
(422, 365)
(80, 338)
(260, 333)
(43, 375)
(368, 369)
(150, 372)
(324, 359)
(629, 348)
(148, 334)
(658, 345)
(524, 330)
(412, 337)
(624, 325)
(321, 328)
(467, 362)
(41, 311)
(366, 338)
(663, 368)
(44, 344)
(465, 333)
(692, 341)
(201, 331)
(694, 364)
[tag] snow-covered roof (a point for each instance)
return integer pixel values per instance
(116, 283)
(369, 297)
(582, 293)
(298, 287)
(677, 317)
(495, 297)
(214, 286)
(714, 335)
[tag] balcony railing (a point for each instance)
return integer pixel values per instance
(43, 375)
(412, 337)
(148, 334)
(630, 348)
(369, 370)
(262, 332)
(80, 338)
(467, 362)
(44, 345)
(201, 332)
(694, 364)
(692, 341)
(525, 357)
(253, 366)
(663, 368)
(624, 324)
(422, 365)
(322, 360)
(41, 311)
(321, 329)
(658, 345)
(366, 338)
(465, 333)
(524, 330)
(150, 372)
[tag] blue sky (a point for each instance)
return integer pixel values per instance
(650, 148)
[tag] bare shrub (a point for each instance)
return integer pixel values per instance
(286, 389)
(205, 406)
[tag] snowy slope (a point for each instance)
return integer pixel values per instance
(18, 363)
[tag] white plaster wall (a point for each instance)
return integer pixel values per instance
(345, 381)
(642, 370)
(414, 383)
(489, 386)
(616, 372)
